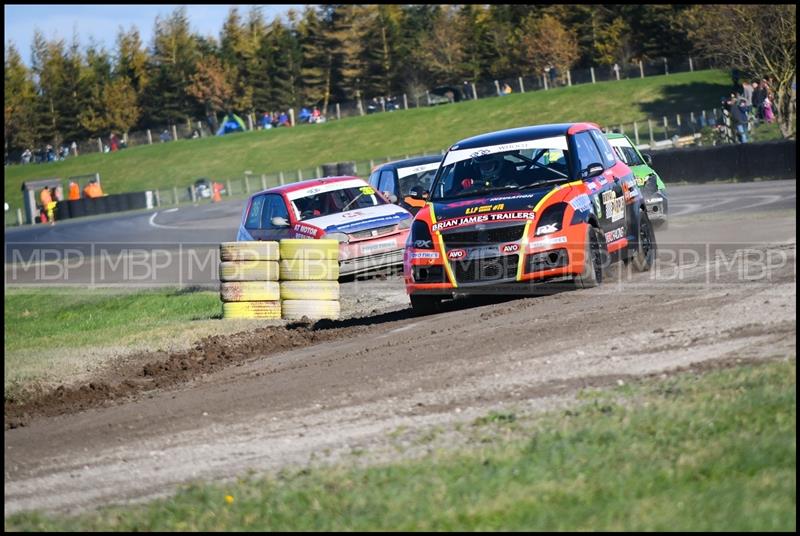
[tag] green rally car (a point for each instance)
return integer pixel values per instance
(651, 185)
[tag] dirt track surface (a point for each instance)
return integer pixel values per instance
(305, 393)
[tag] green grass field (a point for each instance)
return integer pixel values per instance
(56, 334)
(712, 452)
(178, 164)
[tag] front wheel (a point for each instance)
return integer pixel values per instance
(425, 305)
(593, 259)
(645, 254)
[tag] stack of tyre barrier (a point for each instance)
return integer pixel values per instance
(249, 286)
(309, 272)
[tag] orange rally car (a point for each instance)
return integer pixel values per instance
(509, 208)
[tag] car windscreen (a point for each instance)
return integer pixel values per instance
(482, 170)
(418, 177)
(628, 155)
(335, 201)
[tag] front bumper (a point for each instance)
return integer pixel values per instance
(358, 265)
(657, 206)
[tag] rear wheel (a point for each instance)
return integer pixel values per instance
(425, 305)
(593, 259)
(645, 254)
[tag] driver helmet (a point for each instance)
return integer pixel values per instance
(489, 166)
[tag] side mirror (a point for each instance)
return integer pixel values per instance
(592, 170)
(278, 221)
(415, 193)
(391, 197)
(648, 160)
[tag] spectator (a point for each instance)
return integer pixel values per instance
(507, 89)
(26, 156)
(739, 115)
(266, 120)
(769, 115)
(283, 120)
(74, 191)
(112, 142)
(758, 99)
(468, 91)
(553, 76)
(195, 135)
(164, 137)
(74, 148)
(50, 153)
(45, 197)
(93, 190)
(304, 116)
(315, 115)
(747, 93)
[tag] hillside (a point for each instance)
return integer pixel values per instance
(377, 136)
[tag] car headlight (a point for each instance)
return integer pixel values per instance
(552, 219)
(405, 224)
(420, 236)
(341, 237)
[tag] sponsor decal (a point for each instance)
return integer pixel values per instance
(424, 254)
(481, 218)
(307, 230)
(512, 197)
(509, 248)
(367, 190)
(378, 246)
(405, 172)
(615, 234)
(555, 142)
(454, 254)
(591, 185)
(369, 222)
(352, 214)
(603, 181)
(484, 208)
(596, 200)
(615, 206)
(581, 203)
(546, 242)
(423, 244)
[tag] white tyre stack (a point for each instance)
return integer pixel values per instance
(309, 273)
(249, 286)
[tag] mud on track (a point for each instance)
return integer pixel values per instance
(302, 393)
(128, 378)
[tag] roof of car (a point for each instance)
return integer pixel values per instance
(615, 135)
(409, 162)
(514, 135)
(294, 186)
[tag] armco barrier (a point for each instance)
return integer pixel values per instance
(744, 161)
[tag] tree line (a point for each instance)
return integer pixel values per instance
(324, 54)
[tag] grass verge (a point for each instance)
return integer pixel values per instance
(56, 334)
(710, 452)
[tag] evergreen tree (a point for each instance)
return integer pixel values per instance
(20, 97)
(315, 69)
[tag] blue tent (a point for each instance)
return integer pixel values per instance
(231, 123)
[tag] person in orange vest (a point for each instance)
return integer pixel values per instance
(216, 189)
(45, 198)
(93, 190)
(74, 191)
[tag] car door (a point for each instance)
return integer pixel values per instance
(607, 209)
(273, 206)
(624, 182)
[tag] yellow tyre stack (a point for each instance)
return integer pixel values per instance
(309, 273)
(249, 272)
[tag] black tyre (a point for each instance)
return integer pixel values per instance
(645, 254)
(594, 259)
(425, 305)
